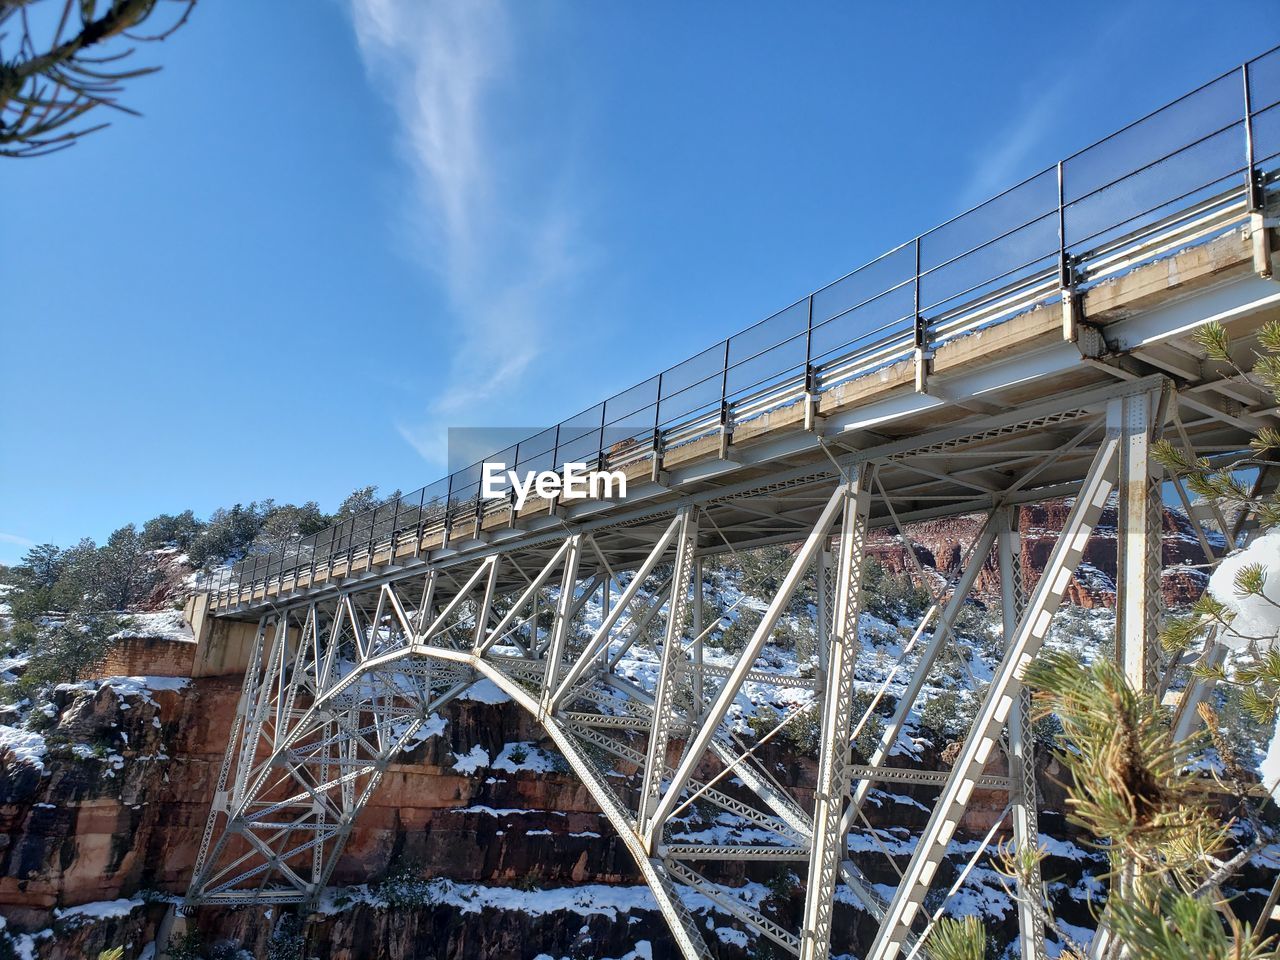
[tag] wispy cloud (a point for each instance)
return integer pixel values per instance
(1018, 151)
(16, 540)
(501, 245)
(1012, 157)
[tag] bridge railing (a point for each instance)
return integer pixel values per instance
(1181, 175)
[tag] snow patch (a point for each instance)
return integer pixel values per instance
(533, 758)
(485, 691)
(99, 910)
(469, 763)
(162, 625)
(1257, 618)
(25, 746)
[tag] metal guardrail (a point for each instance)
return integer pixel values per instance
(1181, 175)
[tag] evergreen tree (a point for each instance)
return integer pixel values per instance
(171, 530)
(125, 568)
(358, 501)
(288, 524)
(228, 534)
(1140, 793)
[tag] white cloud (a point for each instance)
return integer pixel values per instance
(1012, 157)
(16, 540)
(1018, 150)
(499, 235)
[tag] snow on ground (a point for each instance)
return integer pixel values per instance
(484, 691)
(9, 664)
(472, 761)
(505, 811)
(129, 687)
(643, 950)
(590, 899)
(983, 895)
(24, 746)
(524, 755)
(161, 625)
(1081, 935)
(23, 945)
(99, 910)
(606, 900)
(433, 726)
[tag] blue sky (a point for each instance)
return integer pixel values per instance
(341, 228)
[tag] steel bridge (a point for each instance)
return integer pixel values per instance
(1032, 348)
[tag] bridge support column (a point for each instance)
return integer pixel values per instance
(943, 618)
(670, 678)
(1134, 419)
(1022, 764)
(827, 846)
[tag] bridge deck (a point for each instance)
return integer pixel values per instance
(997, 398)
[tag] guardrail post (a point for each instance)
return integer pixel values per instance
(1066, 269)
(600, 465)
(328, 560)
(656, 473)
(1255, 198)
(726, 428)
(373, 533)
(395, 532)
(923, 355)
(811, 418)
(448, 514)
(421, 526)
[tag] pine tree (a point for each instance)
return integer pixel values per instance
(171, 530)
(50, 81)
(125, 568)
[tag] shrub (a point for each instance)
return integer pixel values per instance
(868, 738)
(800, 732)
(892, 596)
(69, 649)
(783, 885)
(188, 945)
(403, 886)
(287, 940)
(948, 714)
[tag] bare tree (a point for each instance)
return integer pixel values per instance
(59, 62)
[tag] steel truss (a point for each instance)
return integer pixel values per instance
(340, 684)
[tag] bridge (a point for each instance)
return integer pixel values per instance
(1032, 348)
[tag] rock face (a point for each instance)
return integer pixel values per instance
(120, 806)
(112, 816)
(944, 545)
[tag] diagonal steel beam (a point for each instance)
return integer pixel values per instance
(719, 707)
(1032, 629)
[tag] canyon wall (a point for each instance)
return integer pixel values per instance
(944, 545)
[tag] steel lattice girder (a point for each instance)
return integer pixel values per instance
(339, 685)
